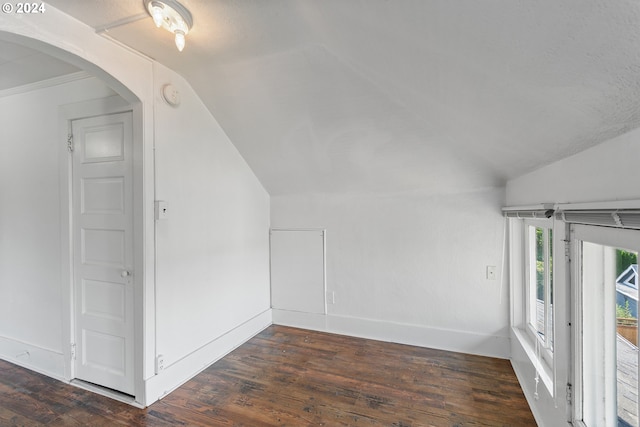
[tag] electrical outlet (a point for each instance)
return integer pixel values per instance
(331, 297)
(491, 272)
(159, 363)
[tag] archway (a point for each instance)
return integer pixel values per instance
(37, 217)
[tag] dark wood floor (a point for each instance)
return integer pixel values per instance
(293, 377)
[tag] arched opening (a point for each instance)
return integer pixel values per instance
(58, 218)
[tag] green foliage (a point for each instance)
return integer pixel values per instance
(624, 312)
(540, 280)
(539, 244)
(540, 262)
(624, 259)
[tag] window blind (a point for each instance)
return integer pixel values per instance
(529, 212)
(620, 218)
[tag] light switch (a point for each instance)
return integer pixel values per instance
(161, 210)
(491, 272)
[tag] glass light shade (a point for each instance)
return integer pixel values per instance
(173, 17)
(156, 13)
(180, 40)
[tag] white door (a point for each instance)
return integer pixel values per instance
(103, 250)
(297, 271)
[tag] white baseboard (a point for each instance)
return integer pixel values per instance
(421, 336)
(44, 361)
(183, 370)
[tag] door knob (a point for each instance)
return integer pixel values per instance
(125, 273)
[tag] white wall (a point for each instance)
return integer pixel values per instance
(31, 292)
(213, 250)
(409, 268)
(608, 171)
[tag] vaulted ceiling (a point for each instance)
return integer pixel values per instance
(324, 96)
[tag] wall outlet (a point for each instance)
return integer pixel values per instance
(331, 297)
(491, 272)
(159, 363)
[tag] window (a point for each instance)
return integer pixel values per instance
(573, 272)
(532, 293)
(539, 283)
(605, 274)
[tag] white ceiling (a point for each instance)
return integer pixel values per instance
(400, 95)
(20, 66)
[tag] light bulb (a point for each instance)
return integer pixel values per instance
(156, 13)
(173, 17)
(180, 39)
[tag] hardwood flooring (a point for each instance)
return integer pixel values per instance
(293, 377)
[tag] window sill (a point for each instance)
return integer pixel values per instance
(545, 371)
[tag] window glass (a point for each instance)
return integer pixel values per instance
(610, 335)
(540, 283)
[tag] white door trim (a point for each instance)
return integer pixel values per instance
(67, 113)
(324, 261)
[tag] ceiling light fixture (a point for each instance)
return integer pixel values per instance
(172, 16)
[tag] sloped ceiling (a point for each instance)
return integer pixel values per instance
(391, 96)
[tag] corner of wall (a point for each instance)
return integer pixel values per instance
(38, 359)
(173, 376)
(400, 333)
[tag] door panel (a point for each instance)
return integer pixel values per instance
(103, 247)
(103, 250)
(103, 352)
(297, 270)
(104, 299)
(102, 196)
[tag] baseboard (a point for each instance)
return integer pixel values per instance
(421, 336)
(183, 370)
(44, 361)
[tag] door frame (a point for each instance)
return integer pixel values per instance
(600, 235)
(66, 114)
(324, 261)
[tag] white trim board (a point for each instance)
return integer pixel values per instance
(54, 81)
(188, 367)
(400, 333)
(41, 360)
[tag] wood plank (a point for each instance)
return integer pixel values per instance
(293, 377)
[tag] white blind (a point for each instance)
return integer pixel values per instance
(621, 218)
(528, 212)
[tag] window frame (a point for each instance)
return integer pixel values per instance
(543, 362)
(560, 396)
(542, 342)
(603, 236)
